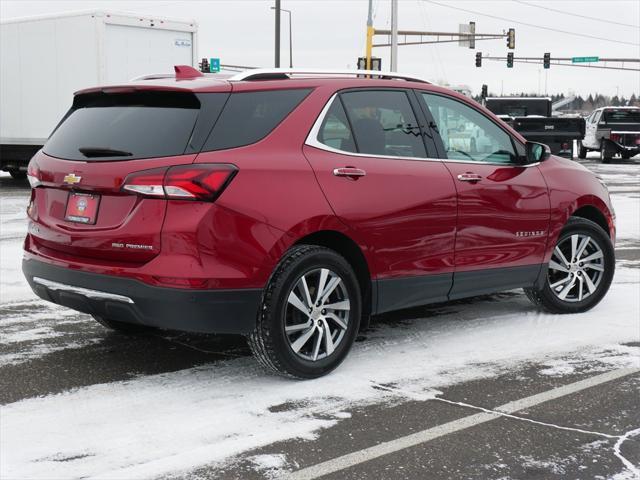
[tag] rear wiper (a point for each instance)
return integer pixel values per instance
(92, 152)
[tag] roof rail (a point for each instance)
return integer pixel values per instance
(153, 76)
(276, 73)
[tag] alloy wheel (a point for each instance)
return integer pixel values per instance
(317, 314)
(576, 268)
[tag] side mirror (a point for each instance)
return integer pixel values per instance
(537, 152)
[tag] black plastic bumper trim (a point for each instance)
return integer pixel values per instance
(205, 311)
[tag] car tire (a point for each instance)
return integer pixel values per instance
(582, 151)
(291, 337)
(18, 174)
(572, 285)
(605, 153)
(122, 327)
(626, 155)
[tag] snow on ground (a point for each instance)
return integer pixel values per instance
(176, 421)
(13, 228)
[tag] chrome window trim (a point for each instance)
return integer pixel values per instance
(86, 292)
(312, 141)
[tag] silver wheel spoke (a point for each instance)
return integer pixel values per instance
(561, 282)
(304, 338)
(333, 283)
(296, 302)
(305, 288)
(594, 266)
(561, 256)
(336, 319)
(582, 247)
(594, 256)
(324, 274)
(580, 288)
(343, 305)
(297, 328)
(574, 246)
(328, 340)
(556, 266)
(316, 347)
(563, 294)
(590, 285)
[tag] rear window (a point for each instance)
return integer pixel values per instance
(622, 116)
(250, 116)
(126, 126)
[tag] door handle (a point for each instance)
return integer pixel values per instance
(469, 177)
(349, 172)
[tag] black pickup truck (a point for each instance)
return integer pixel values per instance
(532, 118)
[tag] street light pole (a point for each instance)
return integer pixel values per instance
(277, 46)
(394, 36)
(290, 34)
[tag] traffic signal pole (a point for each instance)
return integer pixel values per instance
(370, 33)
(394, 36)
(277, 46)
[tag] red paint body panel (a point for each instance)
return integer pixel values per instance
(498, 215)
(408, 217)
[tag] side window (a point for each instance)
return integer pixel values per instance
(384, 123)
(467, 134)
(596, 117)
(335, 131)
(250, 116)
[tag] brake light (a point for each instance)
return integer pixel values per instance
(615, 137)
(204, 182)
(33, 174)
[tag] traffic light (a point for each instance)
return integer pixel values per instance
(510, 60)
(511, 39)
(547, 60)
(376, 63)
(204, 65)
(485, 91)
(478, 59)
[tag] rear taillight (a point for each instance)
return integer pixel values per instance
(614, 137)
(33, 174)
(204, 182)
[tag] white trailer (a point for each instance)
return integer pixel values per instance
(44, 59)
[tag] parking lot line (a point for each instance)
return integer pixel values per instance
(402, 443)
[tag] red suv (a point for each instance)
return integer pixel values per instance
(291, 206)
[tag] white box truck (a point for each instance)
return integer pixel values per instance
(45, 59)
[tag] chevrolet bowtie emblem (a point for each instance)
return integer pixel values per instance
(71, 179)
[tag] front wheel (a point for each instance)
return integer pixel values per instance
(580, 271)
(310, 314)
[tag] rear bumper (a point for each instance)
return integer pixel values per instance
(127, 300)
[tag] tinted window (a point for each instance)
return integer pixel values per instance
(250, 116)
(467, 134)
(383, 123)
(335, 131)
(125, 126)
(622, 116)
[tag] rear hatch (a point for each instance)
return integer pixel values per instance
(623, 125)
(79, 205)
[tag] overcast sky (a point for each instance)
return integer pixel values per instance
(331, 33)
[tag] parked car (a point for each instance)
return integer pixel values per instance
(612, 131)
(533, 118)
(290, 206)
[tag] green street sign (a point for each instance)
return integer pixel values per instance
(214, 65)
(585, 59)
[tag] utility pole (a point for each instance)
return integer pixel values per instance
(277, 46)
(370, 32)
(394, 36)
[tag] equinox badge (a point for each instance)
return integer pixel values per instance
(71, 178)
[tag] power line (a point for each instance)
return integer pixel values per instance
(557, 30)
(572, 14)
